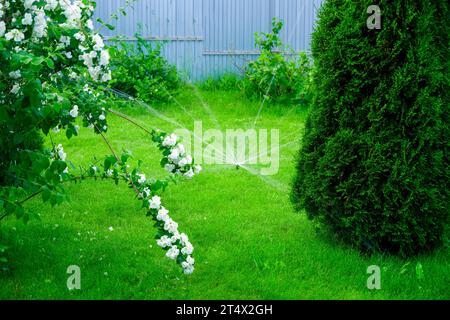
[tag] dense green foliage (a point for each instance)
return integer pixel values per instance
(30, 139)
(273, 76)
(374, 165)
(227, 82)
(139, 70)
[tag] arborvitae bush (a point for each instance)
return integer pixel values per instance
(374, 163)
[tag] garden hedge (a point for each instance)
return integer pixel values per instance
(374, 162)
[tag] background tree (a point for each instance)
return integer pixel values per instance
(374, 163)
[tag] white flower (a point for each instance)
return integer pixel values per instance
(170, 141)
(174, 155)
(146, 192)
(98, 42)
(106, 77)
(40, 25)
(28, 4)
(184, 239)
(74, 112)
(164, 242)
(173, 253)
(189, 174)
(197, 169)
(2, 28)
(90, 24)
(27, 20)
(15, 89)
(72, 13)
(142, 178)
(102, 117)
(65, 41)
(104, 58)
(187, 267)
(175, 237)
(169, 167)
(155, 202)
(163, 214)
(73, 75)
(188, 249)
(189, 270)
(61, 154)
(15, 34)
(94, 72)
(51, 5)
(181, 149)
(15, 74)
(109, 173)
(171, 226)
(111, 229)
(190, 260)
(185, 161)
(79, 36)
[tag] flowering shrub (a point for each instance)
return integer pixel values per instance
(44, 46)
(51, 64)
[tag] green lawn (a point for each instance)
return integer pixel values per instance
(249, 242)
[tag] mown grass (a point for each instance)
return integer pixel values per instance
(249, 242)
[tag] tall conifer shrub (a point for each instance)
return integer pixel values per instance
(374, 162)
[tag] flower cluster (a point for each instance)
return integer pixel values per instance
(59, 153)
(177, 244)
(176, 161)
(51, 40)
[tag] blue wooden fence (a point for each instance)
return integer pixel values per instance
(207, 38)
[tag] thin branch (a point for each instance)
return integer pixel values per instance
(117, 158)
(108, 144)
(121, 115)
(31, 196)
(4, 216)
(51, 140)
(74, 179)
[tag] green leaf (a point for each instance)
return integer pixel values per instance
(46, 194)
(50, 63)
